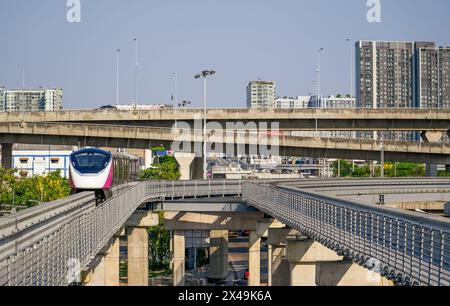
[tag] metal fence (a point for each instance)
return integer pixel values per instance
(408, 248)
(49, 244)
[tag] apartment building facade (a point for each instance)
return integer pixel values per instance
(17, 100)
(261, 94)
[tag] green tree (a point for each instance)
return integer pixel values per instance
(164, 168)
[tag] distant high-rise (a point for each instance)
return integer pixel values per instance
(385, 74)
(31, 100)
(398, 74)
(261, 94)
(433, 77)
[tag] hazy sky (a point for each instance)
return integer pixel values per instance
(241, 39)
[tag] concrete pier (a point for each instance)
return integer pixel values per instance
(178, 263)
(218, 255)
(254, 259)
(112, 263)
(138, 257)
(185, 160)
(278, 266)
(303, 255)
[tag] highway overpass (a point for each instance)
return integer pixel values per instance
(300, 119)
(146, 137)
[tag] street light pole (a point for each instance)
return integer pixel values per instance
(175, 98)
(318, 89)
(205, 114)
(204, 74)
(117, 76)
(136, 73)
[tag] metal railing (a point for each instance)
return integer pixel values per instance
(408, 248)
(43, 246)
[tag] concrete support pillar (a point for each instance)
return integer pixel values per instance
(431, 170)
(148, 158)
(197, 168)
(178, 263)
(218, 263)
(138, 257)
(303, 255)
(185, 160)
(7, 160)
(278, 266)
(112, 263)
(343, 273)
(254, 259)
(97, 272)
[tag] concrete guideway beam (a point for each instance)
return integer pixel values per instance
(231, 221)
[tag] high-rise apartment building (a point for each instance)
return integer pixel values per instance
(397, 74)
(385, 74)
(31, 100)
(433, 77)
(261, 94)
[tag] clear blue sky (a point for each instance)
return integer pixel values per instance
(241, 39)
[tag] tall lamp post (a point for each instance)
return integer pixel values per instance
(204, 74)
(136, 72)
(175, 97)
(117, 76)
(318, 88)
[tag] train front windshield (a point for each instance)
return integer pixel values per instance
(91, 162)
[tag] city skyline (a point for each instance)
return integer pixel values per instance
(184, 38)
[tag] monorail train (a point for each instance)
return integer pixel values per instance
(97, 170)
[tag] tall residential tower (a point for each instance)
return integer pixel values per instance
(261, 94)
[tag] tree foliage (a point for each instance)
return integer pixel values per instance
(164, 168)
(390, 169)
(23, 191)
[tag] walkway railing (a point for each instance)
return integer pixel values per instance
(408, 248)
(49, 244)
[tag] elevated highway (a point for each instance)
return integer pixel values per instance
(146, 137)
(302, 119)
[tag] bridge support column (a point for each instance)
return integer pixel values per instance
(431, 170)
(112, 263)
(104, 269)
(185, 160)
(7, 160)
(303, 255)
(278, 266)
(178, 263)
(254, 259)
(138, 257)
(197, 168)
(148, 158)
(218, 256)
(344, 273)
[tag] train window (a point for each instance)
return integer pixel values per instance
(91, 162)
